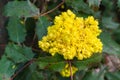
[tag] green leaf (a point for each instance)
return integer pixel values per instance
(41, 28)
(113, 75)
(96, 58)
(18, 54)
(16, 30)
(30, 73)
(7, 68)
(109, 23)
(55, 63)
(108, 6)
(94, 2)
(58, 66)
(118, 3)
(116, 35)
(20, 9)
(109, 45)
(94, 75)
(51, 59)
(79, 5)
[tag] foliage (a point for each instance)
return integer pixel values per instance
(28, 23)
(19, 33)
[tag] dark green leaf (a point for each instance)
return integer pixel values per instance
(109, 23)
(118, 3)
(55, 63)
(109, 45)
(18, 54)
(79, 5)
(42, 65)
(20, 9)
(94, 2)
(58, 66)
(108, 6)
(94, 75)
(30, 73)
(7, 68)
(88, 62)
(51, 59)
(113, 75)
(41, 28)
(79, 74)
(16, 30)
(116, 35)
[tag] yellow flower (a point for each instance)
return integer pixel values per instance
(67, 71)
(72, 36)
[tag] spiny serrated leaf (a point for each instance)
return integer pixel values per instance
(30, 73)
(109, 23)
(51, 59)
(18, 54)
(57, 66)
(94, 2)
(116, 36)
(88, 62)
(55, 63)
(41, 28)
(79, 5)
(6, 68)
(20, 9)
(118, 3)
(109, 45)
(113, 75)
(108, 5)
(16, 30)
(94, 75)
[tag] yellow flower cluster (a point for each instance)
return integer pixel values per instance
(66, 72)
(72, 36)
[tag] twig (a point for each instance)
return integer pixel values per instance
(35, 50)
(33, 39)
(53, 9)
(71, 75)
(30, 62)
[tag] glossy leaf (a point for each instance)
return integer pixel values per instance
(20, 9)
(109, 45)
(18, 54)
(16, 30)
(83, 64)
(118, 3)
(94, 75)
(30, 73)
(51, 59)
(109, 23)
(94, 2)
(113, 75)
(79, 5)
(41, 28)
(55, 63)
(7, 68)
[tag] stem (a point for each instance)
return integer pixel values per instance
(53, 8)
(35, 50)
(30, 62)
(33, 39)
(71, 76)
